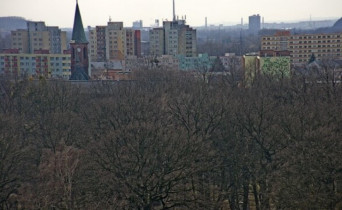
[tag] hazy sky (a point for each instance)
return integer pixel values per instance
(96, 12)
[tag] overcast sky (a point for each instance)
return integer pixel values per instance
(97, 12)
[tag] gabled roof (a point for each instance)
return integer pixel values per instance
(78, 35)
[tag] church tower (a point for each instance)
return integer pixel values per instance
(79, 50)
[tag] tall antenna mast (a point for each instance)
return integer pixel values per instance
(174, 11)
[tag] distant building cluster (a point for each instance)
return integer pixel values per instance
(43, 51)
(113, 51)
(38, 51)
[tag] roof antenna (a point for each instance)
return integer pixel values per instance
(174, 11)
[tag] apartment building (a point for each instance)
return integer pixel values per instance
(157, 46)
(35, 65)
(92, 44)
(132, 42)
(254, 24)
(20, 40)
(175, 38)
(302, 46)
(100, 43)
(323, 46)
(187, 42)
(38, 36)
(57, 40)
(113, 42)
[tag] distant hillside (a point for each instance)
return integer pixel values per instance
(8, 24)
(336, 28)
(338, 24)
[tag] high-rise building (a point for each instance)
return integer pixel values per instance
(137, 43)
(38, 36)
(101, 43)
(157, 46)
(114, 42)
(187, 44)
(132, 42)
(254, 24)
(20, 40)
(57, 40)
(79, 50)
(175, 38)
(92, 44)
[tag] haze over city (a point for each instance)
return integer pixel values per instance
(60, 12)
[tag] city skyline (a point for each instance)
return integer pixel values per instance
(60, 12)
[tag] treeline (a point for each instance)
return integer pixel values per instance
(169, 140)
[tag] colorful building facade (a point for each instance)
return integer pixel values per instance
(275, 67)
(38, 36)
(39, 64)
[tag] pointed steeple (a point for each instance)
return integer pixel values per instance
(78, 35)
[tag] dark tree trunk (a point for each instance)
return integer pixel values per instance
(256, 197)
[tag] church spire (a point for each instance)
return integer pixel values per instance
(79, 50)
(78, 34)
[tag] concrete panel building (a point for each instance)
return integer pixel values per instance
(175, 38)
(38, 64)
(92, 44)
(38, 36)
(157, 46)
(254, 24)
(20, 40)
(302, 46)
(113, 42)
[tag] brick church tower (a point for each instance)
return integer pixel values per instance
(79, 50)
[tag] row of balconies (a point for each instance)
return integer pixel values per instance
(313, 46)
(316, 36)
(328, 37)
(315, 41)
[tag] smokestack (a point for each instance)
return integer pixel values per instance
(174, 11)
(206, 22)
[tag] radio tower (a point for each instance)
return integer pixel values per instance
(174, 11)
